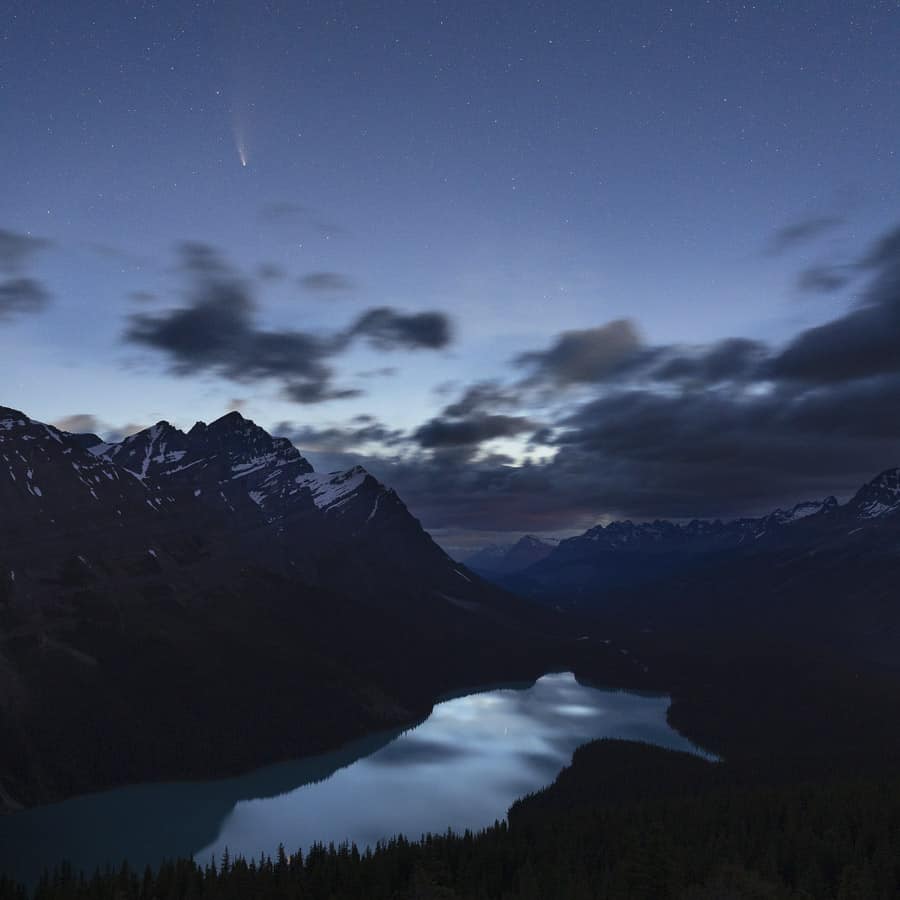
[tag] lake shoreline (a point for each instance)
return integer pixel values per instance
(556, 656)
(462, 767)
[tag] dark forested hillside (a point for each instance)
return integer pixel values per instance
(625, 821)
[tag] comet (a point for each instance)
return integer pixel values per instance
(239, 143)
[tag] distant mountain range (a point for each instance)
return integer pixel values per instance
(625, 552)
(820, 573)
(505, 559)
(196, 603)
(602, 553)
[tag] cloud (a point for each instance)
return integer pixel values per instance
(823, 279)
(863, 343)
(79, 423)
(87, 423)
(114, 435)
(340, 438)
(317, 390)
(326, 282)
(19, 293)
(729, 428)
(17, 250)
(215, 332)
(481, 397)
(22, 295)
(472, 431)
(732, 359)
(790, 236)
(640, 454)
(585, 356)
(387, 329)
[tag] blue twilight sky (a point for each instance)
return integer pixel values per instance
(203, 203)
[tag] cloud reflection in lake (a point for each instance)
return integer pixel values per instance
(461, 768)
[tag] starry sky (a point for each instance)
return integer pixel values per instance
(535, 264)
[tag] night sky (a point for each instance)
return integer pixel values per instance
(535, 264)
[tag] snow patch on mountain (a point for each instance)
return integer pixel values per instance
(334, 489)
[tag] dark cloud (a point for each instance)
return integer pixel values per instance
(17, 250)
(863, 343)
(19, 293)
(641, 454)
(317, 390)
(801, 232)
(22, 295)
(730, 428)
(482, 397)
(823, 279)
(216, 332)
(388, 329)
(733, 359)
(713, 453)
(471, 431)
(340, 439)
(326, 283)
(585, 356)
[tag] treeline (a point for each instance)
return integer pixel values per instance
(625, 821)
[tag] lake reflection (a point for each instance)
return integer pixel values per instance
(461, 768)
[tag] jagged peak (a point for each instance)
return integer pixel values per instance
(151, 432)
(878, 497)
(231, 421)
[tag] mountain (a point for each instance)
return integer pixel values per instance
(506, 559)
(820, 576)
(188, 604)
(627, 553)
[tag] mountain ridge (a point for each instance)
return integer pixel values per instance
(250, 608)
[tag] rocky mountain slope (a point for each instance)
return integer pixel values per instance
(196, 603)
